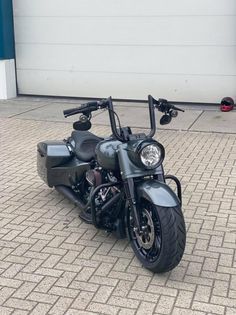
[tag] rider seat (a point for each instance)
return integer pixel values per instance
(84, 144)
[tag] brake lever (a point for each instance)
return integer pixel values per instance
(165, 107)
(177, 108)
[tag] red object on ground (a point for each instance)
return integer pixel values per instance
(227, 104)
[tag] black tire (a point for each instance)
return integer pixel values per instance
(168, 240)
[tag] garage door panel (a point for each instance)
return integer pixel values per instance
(182, 88)
(181, 60)
(127, 31)
(123, 7)
(126, 48)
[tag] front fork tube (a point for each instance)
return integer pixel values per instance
(130, 194)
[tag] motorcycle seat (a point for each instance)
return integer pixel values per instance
(84, 144)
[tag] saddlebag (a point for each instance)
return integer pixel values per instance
(57, 165)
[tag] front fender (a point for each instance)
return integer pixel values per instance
(157, 193)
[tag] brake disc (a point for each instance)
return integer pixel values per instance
(147, 237)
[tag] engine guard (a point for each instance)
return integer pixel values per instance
(158, 193)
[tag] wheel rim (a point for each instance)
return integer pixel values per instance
(149, 242)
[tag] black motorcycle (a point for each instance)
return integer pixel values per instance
(118, 183)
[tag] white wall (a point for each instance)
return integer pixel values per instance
(181, 50)
(7, 79)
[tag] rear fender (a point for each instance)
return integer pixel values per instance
(157, 193)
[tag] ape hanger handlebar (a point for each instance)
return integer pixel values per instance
(122, 134)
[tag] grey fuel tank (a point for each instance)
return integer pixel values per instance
(107, 155)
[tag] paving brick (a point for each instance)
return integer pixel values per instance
(181, 285)
(24, 276)
(41, 309)
(198, 280)
(144, 296)
(221, 288)
(69, 257)
(11, 235)
(103, 280)
(5, 293)
(42, 297)
(181, 311)
(230, 311)
(126, 311)
(66, 278)
(141, 283)
(203, 293)
(46, 283)
(121, 264)
(20, 312)
(5, 310)
(103, 269)
(103, 294)
(206, 307)
(65, 292)
(20, 304)
(85, 274)
(162, 290)
(184, 299)
(223, 301)
(210, 264)
(24, 290)
(12, 271)
(146, 308)
(122, 275)
(82, 300)
(17, 259)
(61, 306)
(165, 304)
(21, 249)
(194, 269)
(49, 272)
(51, 261)
(103, 308)
(123, 302)
(12, 283)
(32, 265)
(75, 312)
(84, 286)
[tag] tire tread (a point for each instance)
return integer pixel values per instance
(173, 240)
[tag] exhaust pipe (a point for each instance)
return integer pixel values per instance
(71, 195)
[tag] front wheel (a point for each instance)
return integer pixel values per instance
(161, 245)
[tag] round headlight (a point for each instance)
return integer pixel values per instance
(151, 155)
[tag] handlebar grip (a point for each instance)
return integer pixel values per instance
(87, 107)
(71, 111)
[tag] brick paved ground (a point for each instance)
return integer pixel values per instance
(52, 263)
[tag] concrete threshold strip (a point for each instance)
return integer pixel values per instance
(199, 119)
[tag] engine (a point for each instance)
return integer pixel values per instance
(108, 201)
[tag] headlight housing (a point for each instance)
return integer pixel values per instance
(148, 154)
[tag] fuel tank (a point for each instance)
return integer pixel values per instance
(106, 152)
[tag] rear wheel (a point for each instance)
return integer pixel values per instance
(161, 245)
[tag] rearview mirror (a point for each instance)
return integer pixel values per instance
(165, 119)
(82, 126)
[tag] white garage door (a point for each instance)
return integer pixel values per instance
(181, 50)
